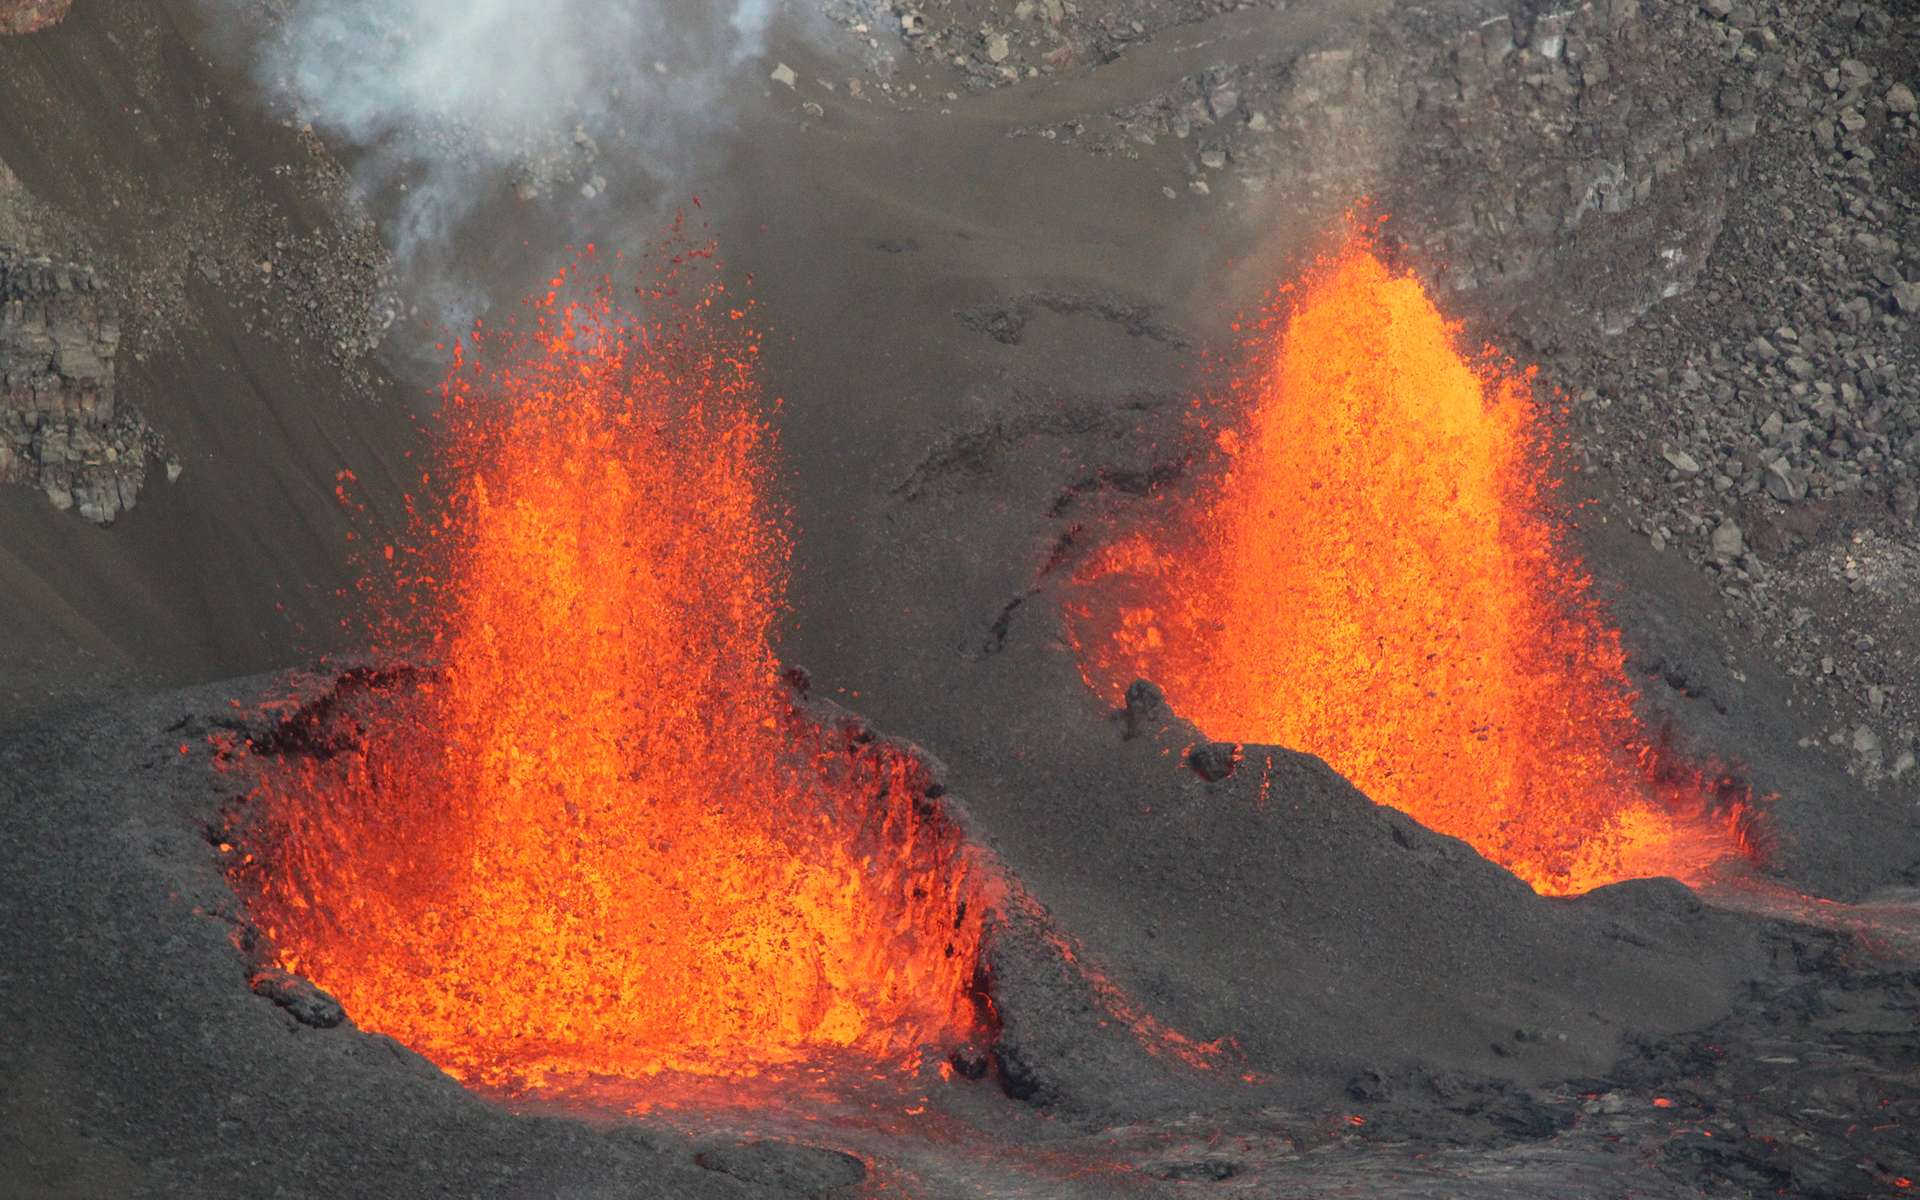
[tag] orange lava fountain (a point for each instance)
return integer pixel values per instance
(1375, 581)
(598, 838)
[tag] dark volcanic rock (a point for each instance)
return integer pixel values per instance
(1197, 1170)
(308, 1004)
(1145, 703)
(792, 1168)
(1214, 761)
(1004, 323)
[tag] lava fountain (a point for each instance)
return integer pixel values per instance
(1375, 580)
(596, 835)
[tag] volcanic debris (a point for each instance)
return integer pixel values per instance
(303, 1001)
(1787, 379)
(1214, 761)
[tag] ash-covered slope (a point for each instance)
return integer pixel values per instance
(189, 314)
(1330, 940)
(1327, 939)
(138, 1061)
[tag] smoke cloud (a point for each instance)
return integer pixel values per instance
(450, 99)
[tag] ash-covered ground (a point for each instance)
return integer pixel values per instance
(996, 249)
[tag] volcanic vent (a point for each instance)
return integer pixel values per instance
(1375, 579)
(595, 834)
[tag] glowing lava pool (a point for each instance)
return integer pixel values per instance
(596, 836)
(1375, 579)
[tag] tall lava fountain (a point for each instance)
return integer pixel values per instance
(597, 836)
(1375, 580)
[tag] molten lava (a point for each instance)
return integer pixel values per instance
(1375, 580)
(598, 838)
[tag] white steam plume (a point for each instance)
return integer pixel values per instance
(449, 98)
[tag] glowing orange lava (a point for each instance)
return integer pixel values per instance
(597, 837)
(1375, 581)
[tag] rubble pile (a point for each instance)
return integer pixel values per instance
(1768, 424)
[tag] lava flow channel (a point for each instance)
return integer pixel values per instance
(597, 838)
(1375, 580)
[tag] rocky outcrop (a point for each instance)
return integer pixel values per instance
(61, 427)
(31, 16)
